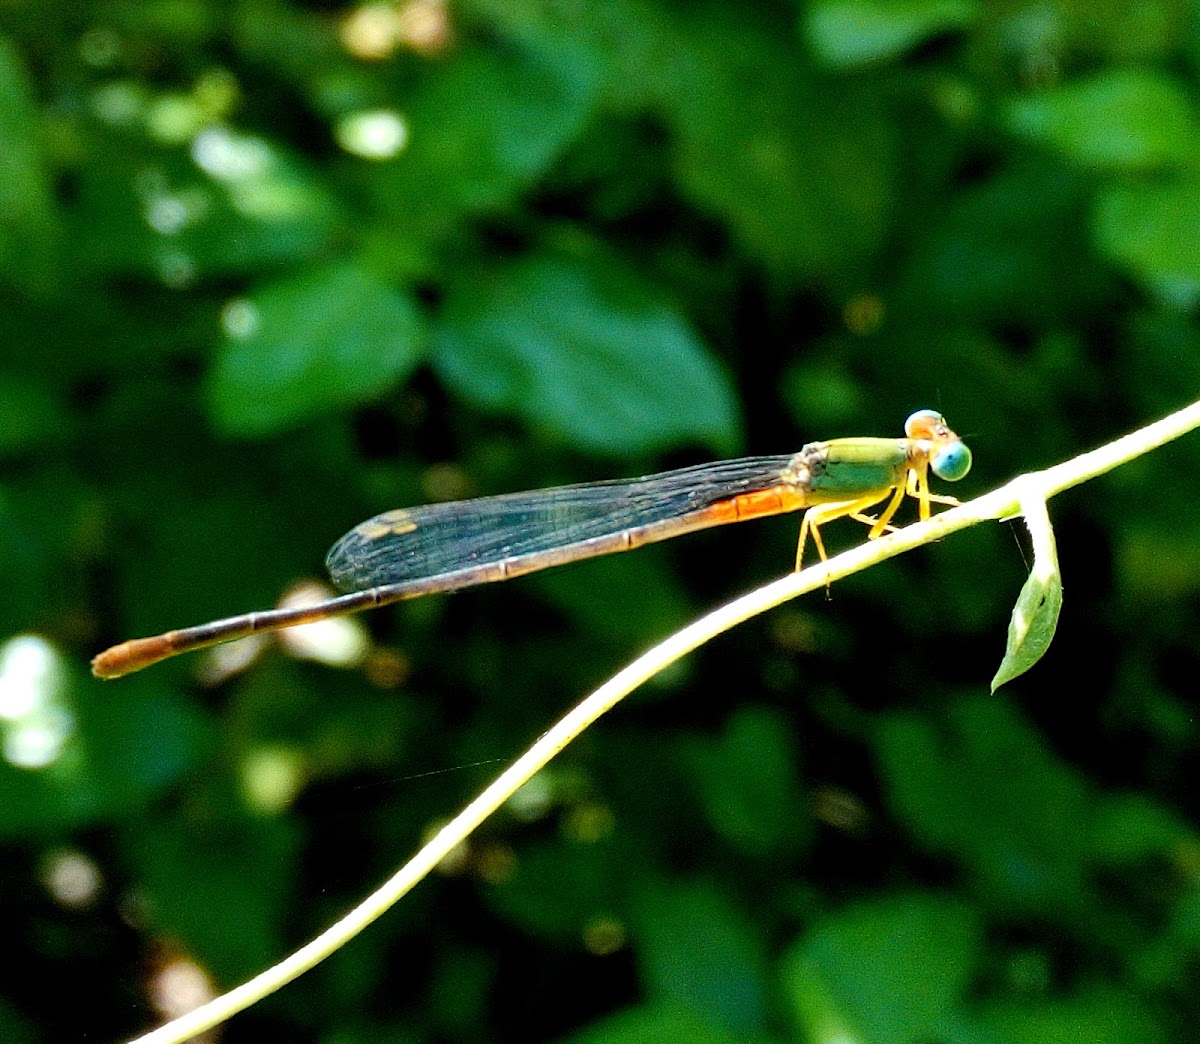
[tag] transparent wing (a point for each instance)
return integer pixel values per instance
(421, 542)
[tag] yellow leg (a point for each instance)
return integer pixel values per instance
(881, 523)
(815, 517)
(934, 498)
(870, 520)
(917, 487)
(805, 525)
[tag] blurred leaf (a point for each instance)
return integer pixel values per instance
(587, 351)
(179, 21)
(34, 414)
(485, 123)
(700, 952)
(619, 597)
(558, 888)
(1153, 231)
(220, 887)
(174, 572)
(1159, 559)
(1123, 118)
(234, 204)
(29, 233)
(332, 337)
(460, 994)
(655, 1024)
(40, 516)
(1096, 1015)
(1166, 346)
(1185, 918)
(1124, 34)
(16, 1028)
(1012, 247)
(621, 44)
(297, 42)
(116, 756)
(887, 971)
(1021, 824)
(800, 171)
(821, 394)
(750, 785)
(1132, 828)
(845, 33)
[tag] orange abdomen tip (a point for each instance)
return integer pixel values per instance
(131, 656)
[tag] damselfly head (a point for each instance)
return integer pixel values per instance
(950, 459)
(928, 424)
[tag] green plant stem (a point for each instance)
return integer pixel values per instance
(1001, 503)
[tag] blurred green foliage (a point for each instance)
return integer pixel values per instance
(270, 267)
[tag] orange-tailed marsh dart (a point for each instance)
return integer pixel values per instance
(443, 547)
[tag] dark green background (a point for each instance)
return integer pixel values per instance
(622, 236)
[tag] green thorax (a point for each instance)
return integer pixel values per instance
(846, 469)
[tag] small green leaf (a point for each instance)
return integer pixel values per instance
(852, 32)
(1035, 616)
(328, 338)
(1125, 118)
(586, 351)
(1031, 629)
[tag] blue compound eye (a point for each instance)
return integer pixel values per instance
(951, 462)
